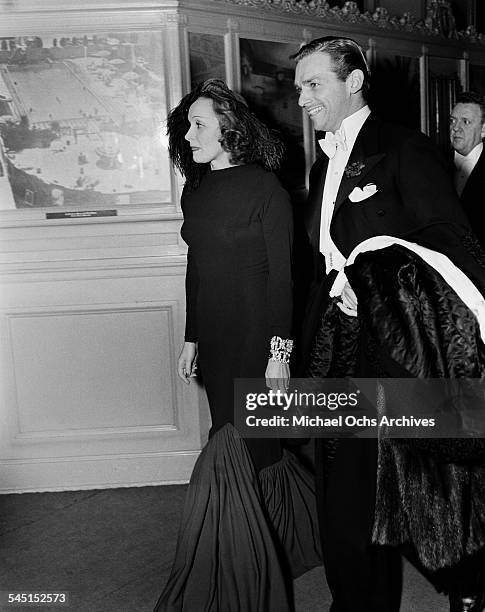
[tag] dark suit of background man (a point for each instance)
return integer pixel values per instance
(373, 179)
(467, 130)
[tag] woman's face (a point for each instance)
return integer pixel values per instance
(204, 135)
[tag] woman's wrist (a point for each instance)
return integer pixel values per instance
(280, 349)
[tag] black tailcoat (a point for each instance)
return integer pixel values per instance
(473, 199)
(415, 198)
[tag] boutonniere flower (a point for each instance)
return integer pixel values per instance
(354, 169)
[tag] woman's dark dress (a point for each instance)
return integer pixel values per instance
(247, 525)
(238, 226)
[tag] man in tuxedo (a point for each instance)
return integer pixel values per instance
(373, 179)
(467, 130)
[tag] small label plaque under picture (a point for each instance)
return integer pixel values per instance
(81, 214)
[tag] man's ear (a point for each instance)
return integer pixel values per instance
(355, 81)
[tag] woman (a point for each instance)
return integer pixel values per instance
(238, 544)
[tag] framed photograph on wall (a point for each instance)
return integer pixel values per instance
(477, 79)
(267, 83)
(395, 90)
(82, 120)
(207, 58)
(444, 86)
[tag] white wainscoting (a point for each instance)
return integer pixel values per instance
(91, 325)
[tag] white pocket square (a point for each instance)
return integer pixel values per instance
(358, 194)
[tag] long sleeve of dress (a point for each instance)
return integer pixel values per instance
(277, 221)
(191, 290)
(191, 287)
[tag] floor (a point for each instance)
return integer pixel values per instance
(112, 551)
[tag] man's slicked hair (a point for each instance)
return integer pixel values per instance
(346, 55)
(471, 97)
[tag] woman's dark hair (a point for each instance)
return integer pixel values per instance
(244, 136)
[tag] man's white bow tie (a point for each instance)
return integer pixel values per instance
(332, 142)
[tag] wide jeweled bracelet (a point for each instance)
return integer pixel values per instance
(281, 349)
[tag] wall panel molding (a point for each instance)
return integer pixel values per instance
(91, 324)
(126, 332)
(68, 473)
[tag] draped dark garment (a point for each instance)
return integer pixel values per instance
(430, 493)
(243, 535)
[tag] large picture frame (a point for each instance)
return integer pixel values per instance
(395, 93)
(267, 83)
(477, 79)
(444, 86)
(83, 115)
(206, 57)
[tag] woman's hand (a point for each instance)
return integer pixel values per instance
(187, 363)
(277, 375)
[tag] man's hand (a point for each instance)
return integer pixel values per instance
(277, 375)
(349, 301)
(187, 362)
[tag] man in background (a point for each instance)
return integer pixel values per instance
(467, 130)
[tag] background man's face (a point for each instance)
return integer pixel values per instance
(325, 98)
(466, 127)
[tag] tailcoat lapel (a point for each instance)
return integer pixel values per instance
(365, 155)
(366, 152)
(315, 195)
(476, 177)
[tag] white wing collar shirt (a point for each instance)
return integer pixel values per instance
(338, 148)
(464, 166)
